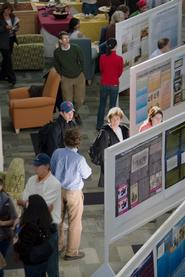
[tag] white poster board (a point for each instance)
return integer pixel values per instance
(147, 178)
(159, 81)
(1, 146)
(138, 36)
(164, 253)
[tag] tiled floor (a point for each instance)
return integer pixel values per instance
(92, 237)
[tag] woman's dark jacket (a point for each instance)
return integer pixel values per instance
(108, 138)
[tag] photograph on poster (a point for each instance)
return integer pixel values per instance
(146, 269)
(134, 195)
(179, 80)
(171, 251)
(138, 174)
(153, 88)
(162, 26)
(122, 206)
(175, 155)
(134, 43)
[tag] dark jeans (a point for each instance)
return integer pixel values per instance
(6, 66)
(35, 270)
(4, 245)
(89, 8)
(53, 265)
(105, 92)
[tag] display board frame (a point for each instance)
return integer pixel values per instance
(147, 69)
(151, 245)
(129, 26)
(118, 226)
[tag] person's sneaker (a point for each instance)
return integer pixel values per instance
(71, 258)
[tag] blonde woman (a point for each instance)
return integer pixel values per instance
(111, 133)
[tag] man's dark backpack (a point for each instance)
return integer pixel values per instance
(43, 134)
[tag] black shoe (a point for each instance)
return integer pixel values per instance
(71, 258)
(78, 120)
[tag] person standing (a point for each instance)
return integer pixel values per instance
(111, 133)
(51, 136)
(46, 185)
(8, 216)
(70, 168)
(69, 63)
(111, 68)
(34, 234)
(6, 43)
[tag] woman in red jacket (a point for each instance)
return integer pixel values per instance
(111, 68)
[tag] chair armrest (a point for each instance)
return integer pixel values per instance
(34, 102)
(19, 93)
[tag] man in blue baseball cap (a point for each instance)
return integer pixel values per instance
(47, 186)
(51, 135)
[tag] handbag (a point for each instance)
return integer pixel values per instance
(41, 252)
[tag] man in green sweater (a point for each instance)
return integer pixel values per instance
(69, 63)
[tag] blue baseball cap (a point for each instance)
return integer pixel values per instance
(41, 159)
(66, 106)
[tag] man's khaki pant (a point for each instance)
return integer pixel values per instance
(73, 89)
(72, 203)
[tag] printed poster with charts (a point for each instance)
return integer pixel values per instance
(175, 155)
(138, 174)
(179, 79)
(153, 87)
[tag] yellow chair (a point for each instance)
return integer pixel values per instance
(30, 112)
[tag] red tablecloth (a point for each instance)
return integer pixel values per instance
(52, 25)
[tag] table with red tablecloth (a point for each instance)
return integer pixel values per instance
(50, 28)
(52, 25)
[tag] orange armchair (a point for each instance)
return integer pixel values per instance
(29, 112)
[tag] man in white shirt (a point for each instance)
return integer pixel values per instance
(47, 186)
(163, 47)
(70, 168)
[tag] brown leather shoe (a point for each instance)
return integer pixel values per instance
(71, 258)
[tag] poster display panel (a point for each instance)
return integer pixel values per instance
(153, 88)
(157, 82)
(175, 155)
(137, 37)
(147, 176)
(164, 252)
(162, 26)
(178, 79)
(146, 268)
(138, 174)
